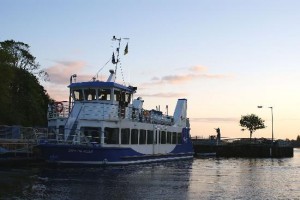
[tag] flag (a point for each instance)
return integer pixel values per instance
(113, 59)
(126, 49)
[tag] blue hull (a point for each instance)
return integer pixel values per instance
(93, 155)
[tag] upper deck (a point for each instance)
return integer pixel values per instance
(110, 101)
(101, 91)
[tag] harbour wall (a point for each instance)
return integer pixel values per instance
(243, 149)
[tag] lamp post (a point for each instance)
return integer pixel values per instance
(272, 121)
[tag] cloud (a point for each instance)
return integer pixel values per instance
(155, 78)
(164, 95)
(59, 75)
(177, 79)
(58, 93)
(215, 119)
(194, 73)
(198, 68)
(60, 72)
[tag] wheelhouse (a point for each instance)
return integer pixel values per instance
(106, 92)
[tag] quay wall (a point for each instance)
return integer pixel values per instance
(251, 150)
(254, 151)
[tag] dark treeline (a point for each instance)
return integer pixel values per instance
(23, 101)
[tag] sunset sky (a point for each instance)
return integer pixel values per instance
(225, 56)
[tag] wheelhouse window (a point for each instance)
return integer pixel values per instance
(134, 136)
(125, 135)
(78, 95)
(127, 97)
(111, 135)
(142, 136)
(117, 95)
(89, 94)
(122, 96)
(104, 94)
(149, 137)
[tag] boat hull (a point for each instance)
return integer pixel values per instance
(95, 155)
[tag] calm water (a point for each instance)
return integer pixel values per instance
(197, 179)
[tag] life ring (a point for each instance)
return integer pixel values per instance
(146, 113)
(59, 107)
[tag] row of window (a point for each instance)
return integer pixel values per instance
(100, 94)
(133, 136)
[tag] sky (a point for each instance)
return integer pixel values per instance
(225, 57)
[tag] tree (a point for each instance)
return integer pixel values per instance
(298, 138)
(252, 123)
(23, 101)
(17, 54)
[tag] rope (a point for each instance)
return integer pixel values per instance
(101, 69)
(122, 73)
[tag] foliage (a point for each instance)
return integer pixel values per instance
(17, 54)
(298, 138)
(252, 123)
(23, 101)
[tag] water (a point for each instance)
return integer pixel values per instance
(198, 179)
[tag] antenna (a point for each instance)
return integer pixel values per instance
(116, 60)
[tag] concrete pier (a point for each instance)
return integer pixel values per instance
(256, 148)
(254, 151)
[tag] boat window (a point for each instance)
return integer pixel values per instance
(122, 96)
(134, 136)
(174, 138)
(92, 133)
(77, 95)
(51, 132)
(61, 130)
(117, 95)
(163, 137)
(127, 97)
(89, 94)
(125, 135)
(104, 94)
(111, 135)
(143, 136)
(157, 137)
(149, 137)
(169, 138)
(179, 138)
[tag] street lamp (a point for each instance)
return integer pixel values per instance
(272, 121)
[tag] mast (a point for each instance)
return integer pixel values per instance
(116, 60)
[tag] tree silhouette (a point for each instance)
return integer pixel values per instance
(23, 101)
(252, 123)
(17, 54)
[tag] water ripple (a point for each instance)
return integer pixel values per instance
(198, 179)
